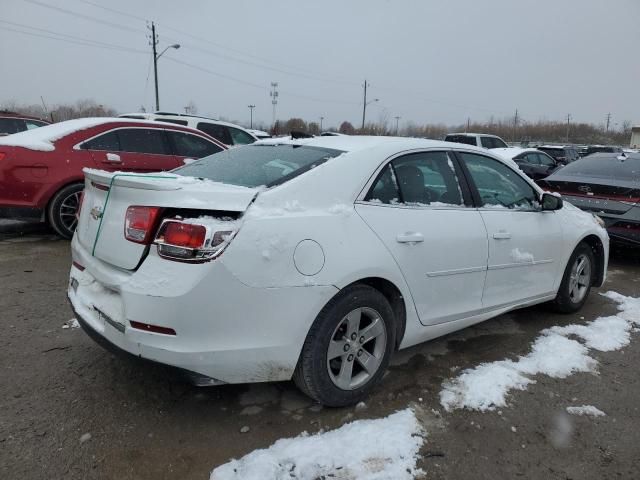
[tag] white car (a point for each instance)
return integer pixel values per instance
(228, 133)
(316, 259)
(478, 139)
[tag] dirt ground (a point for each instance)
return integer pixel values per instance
(57, 386)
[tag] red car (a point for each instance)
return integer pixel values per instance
(41, 170)
(11, 122)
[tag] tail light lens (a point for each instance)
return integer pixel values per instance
(192, 242)
(80, 200)
(139, 223)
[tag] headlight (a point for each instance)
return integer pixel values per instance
(599, 220)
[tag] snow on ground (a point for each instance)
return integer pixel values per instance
(385, 448)
(73, 323)
(589, 410)
(553, 353)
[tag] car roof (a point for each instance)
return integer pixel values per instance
(513, 151)
(8, 114)
(469, 134)
(555, 146)
(181, 116)
(43, 138)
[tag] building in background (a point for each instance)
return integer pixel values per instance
(635, 137)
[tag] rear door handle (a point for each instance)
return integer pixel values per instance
(410, 237)
(113, 157)
(502, 235)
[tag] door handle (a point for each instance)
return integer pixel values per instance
(113, 157)
(502, 235)
(410, 237)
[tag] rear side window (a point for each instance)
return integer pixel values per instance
(143, 140)
(418, 179)
(239, 137)
(466, 139)
(108, 141)
(170, 120)
(492, 142)
(31, 124)
(498, 185)
(256, 165)
(219, 132)
(11, 125)
(192, 146)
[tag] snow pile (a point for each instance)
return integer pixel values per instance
(553, 353)
(588, 410)
(378, 449)
(73, 323)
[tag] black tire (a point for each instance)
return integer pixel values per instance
(63, 208)
(566, 300)
(315, 375)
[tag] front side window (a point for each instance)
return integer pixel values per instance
(418, 179)
(546, 160)
(143, 140)
(498, 185)
(256, 165)
(492, 142)
(192, 146)
(107, 141)
(239, 137)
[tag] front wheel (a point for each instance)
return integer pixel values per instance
(576, 281)
(348, 347)
(63, 209)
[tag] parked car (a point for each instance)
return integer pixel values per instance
(11, 122)
(41, 170)
(259, 134)
(536, 164)
(315, 259)
(562, 153)
(601, 149)
(225, 132)
(607, 184)
(477, 139)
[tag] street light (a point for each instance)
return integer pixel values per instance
(321, 119)
(155, 61)
(397, 120)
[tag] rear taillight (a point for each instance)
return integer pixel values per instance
(192, 242)
(80, 200)
(2, 156)
(139, 223)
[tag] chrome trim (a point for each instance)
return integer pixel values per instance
(518, 264)
(444, 273)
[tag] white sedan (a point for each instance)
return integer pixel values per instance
(316, 259)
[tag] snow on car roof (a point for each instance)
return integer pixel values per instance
(473, 134)
(42, 138)
(512, 151)
(349, 143)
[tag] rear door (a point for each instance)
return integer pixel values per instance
(135, 149)
(187, 146)
(524, 242)
(421, 211)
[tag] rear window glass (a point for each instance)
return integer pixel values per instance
(255, 165)
(605, 166)
(466, 139)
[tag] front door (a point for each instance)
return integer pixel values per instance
(524, 241)
(422, 213)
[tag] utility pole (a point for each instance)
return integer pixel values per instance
(568, 120)
(321, 119)
(397, 120)
(468, 125)
(364, 103)
(251, 107)
(154, 44)
(274, 100)
(515, 125)
(608, 121)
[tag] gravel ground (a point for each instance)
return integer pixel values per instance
(69, 409)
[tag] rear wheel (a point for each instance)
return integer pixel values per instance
(576, 281)
(63, 208)
(348, 347)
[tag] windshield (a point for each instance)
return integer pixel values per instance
(256, 165)
(610, 166)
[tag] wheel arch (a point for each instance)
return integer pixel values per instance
(53, 192)
(395, 298)
(597, 248)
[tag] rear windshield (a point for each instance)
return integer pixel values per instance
(255, 165)
(466, 139)
(605, 166)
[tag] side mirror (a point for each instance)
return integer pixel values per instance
(550, 202)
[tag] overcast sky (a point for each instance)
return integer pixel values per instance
(426, 60)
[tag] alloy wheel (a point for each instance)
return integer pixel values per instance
(69, 210)
(580, 278)
(356, 348)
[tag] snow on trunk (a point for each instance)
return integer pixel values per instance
(486, 386)
(365, 450)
